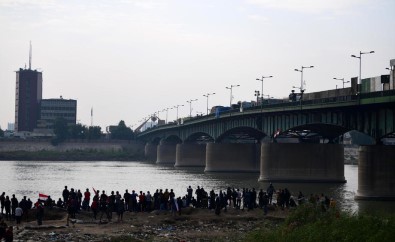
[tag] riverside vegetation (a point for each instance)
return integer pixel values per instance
(304, 223)
(73, 155)
(310, 223)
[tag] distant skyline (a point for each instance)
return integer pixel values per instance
(127, 59)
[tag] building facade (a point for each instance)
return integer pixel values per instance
(28, 94)
(54, 108)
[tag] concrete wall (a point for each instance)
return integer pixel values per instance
(190, 155)
(232, 157)
(376, 170)
(284, 162)
(166, 154)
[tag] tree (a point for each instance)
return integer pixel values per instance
(122, 132)
(61, 131)
(78, 131)
(1, 133)
(94, 132)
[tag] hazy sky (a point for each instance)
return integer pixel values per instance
(130, 58)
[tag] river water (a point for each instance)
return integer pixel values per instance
(29, 178)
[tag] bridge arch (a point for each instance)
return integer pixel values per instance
(155, 141)
(241, 134)
(199, 138)
(171, 139)
(312, 133)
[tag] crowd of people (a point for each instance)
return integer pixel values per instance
(14, 210)
(104, 205)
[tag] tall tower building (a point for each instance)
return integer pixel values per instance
(28, 94)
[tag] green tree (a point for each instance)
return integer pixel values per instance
(94, 132)
(61, 131)
(1, 133)
(78, 131)
(122, 132)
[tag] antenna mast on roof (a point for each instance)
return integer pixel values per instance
(30, 56)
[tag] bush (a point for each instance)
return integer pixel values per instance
(311, 223)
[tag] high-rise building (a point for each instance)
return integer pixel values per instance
(28, 94)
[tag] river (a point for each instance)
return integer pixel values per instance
(29, 178)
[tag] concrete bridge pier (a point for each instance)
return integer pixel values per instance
(232, 157)
(190, 155)
(150, 151)
(285, 162)
(376, 169)
(166, 154)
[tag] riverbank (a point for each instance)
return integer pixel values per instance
(192, 225)
(72, 155)
(71, 150)
(305, 223)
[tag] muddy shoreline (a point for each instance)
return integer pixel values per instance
(194, 224)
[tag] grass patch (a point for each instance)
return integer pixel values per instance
(311, 223)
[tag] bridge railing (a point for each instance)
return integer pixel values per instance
(279, 104)
(378, 94)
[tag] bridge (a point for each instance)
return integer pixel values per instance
(293, 141)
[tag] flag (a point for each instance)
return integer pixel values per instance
(42, 197)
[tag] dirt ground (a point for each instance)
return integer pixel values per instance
(193, 224)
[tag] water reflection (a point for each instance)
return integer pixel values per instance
(28, 178)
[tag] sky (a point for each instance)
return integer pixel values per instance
(127, 59)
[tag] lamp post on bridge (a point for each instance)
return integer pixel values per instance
(301, 76)
(207, 95)
(158, 117)
(167, 112)
(341, 79)
(360, 63)
(177, 109)
(190, 106)
(261, 80)
(231, 97)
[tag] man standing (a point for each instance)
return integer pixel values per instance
(87, 198)
(2, 200)
(126, 196)
(18, 215)
(39, 213)
(65, 195)
(14, 205)
(270, 190)
(24, 205)
(189, 196)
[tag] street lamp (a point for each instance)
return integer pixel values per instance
(190, 106)
(231, 88)
(301, 78)
(262, 84)
(341, 79)
(177, 109)
(158, 117)
(207, 95)
(167, 112)
(360, 62)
